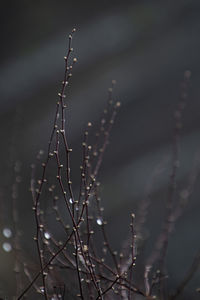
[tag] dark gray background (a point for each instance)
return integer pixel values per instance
(146, 46)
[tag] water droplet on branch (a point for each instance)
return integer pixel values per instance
(99, 221)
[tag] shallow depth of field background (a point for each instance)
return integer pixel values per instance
(145, 46)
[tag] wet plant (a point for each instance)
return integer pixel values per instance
(74, 254)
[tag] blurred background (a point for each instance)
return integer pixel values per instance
(145, 46)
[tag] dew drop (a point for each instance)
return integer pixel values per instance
(47, 235)
(41, 289)
(7, 247)
(104, 250)
(7, 232)
(99, 221)
(41, 152)
(70, 200)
